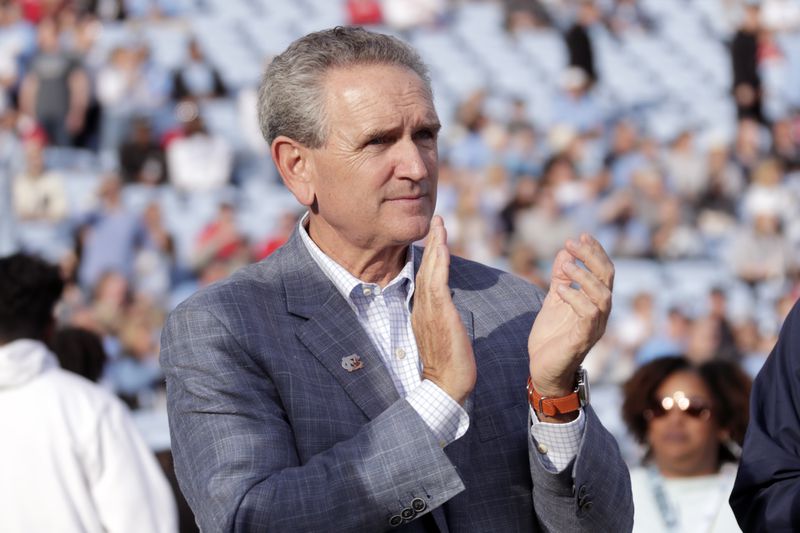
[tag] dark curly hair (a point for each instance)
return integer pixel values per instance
(81, 351)
(728, 384)
(29, 289)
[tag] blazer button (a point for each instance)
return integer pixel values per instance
(408, 513)
(395, 520)
(418, 504)
(586, 505)
(582, 491)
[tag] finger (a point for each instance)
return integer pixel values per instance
(440, 263)
(429, 252)
(558, 276)
(433, 272)
(588, 250)
(595, 290)
(579, 302)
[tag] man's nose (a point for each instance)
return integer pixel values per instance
(411, 161)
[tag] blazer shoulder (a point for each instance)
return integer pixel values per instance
(257, 282)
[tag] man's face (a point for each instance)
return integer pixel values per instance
(374, 179)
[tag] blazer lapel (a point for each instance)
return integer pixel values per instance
(333, 334)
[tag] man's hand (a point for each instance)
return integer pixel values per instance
(444, 346)
(571, 320)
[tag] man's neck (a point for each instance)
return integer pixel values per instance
(368, 265)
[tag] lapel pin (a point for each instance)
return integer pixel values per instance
(351, 363)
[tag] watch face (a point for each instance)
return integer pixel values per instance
(583, 386)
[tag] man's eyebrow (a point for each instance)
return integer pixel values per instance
(374, 133)
(434, 126)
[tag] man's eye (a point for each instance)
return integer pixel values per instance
(378, 140)
(426, 135)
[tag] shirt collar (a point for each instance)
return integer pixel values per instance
(343, 280)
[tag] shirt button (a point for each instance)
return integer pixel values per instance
(377, 291)
(542, 448)
(367, 291)
(400, 353)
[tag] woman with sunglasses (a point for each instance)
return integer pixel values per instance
(691, 420)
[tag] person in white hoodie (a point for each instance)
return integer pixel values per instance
(71, 459)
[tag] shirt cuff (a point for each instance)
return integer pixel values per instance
(557, 444)
(443, 415)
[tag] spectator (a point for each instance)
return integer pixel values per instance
(692, 420)
(579, 40)
(39, 194)
(286, 224)
(220, 240)
(785, 145)
(575, 106)
(155, 265)
(110, 236)
(670, 339)
(141, 158)
(760, 252)
(74, 446)
(685, 168)
(199, 161)
(115, 87)
(637, 325)
(408, 14)
(744, 55)
(196, 79)
(55, 91)
(364, 12)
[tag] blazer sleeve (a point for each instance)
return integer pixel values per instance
(766, 494)
(237, 463)
(593, 493)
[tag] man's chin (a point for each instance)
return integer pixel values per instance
(414, 230)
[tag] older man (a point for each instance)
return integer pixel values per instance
(351, 382)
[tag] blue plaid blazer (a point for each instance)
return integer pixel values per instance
(271, 433)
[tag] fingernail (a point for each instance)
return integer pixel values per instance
(571, 243)
(561, 289)
(569, 267)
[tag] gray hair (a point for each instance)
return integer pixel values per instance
(291, 97)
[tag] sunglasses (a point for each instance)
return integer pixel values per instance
(691, 406)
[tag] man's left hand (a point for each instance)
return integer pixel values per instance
(571, 320)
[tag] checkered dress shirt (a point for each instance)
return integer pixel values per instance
(384, 313)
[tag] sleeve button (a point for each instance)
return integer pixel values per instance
(418, 504)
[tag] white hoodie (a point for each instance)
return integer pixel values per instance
(71, 458)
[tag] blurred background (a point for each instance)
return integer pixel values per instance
(130, 155)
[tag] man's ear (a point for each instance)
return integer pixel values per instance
(293, 161)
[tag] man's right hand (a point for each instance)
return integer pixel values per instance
(444, 346)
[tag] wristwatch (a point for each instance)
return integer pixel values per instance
(564, 404)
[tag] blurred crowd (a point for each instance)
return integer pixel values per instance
(131, 156)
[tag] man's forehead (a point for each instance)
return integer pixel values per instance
(380, 77)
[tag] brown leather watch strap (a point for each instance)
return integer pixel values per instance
(553, 406)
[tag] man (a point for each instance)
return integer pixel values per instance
(350, 382)
(71, 458)
(56, 89)
(766, 495)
